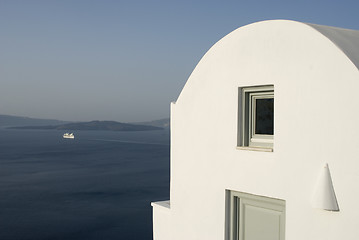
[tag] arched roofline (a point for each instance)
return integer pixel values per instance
(344, 40)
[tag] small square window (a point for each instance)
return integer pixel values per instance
(256, 116)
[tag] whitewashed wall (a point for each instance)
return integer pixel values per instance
(316, 122)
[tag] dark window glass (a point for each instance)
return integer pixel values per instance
(264, 116)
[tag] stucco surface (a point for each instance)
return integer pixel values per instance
(315, 122)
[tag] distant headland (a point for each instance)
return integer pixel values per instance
(95, 125)
(14, 122)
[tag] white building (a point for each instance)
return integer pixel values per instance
(264, 111)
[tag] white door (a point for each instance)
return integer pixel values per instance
(257, 217)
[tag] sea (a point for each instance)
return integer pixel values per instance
(99, 185)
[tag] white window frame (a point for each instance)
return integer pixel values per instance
(235, 207)
(248, 137)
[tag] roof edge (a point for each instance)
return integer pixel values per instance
(347, 40)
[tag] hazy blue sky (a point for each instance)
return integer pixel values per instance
(123, 60)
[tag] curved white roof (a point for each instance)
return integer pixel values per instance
(276, 47)
(345, 39)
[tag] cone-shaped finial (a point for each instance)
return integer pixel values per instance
(324, 195)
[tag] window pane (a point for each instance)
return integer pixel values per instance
(264, 116)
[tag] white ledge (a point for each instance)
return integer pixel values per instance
(163, 204)
(258, 149)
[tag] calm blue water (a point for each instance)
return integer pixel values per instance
(97, 186)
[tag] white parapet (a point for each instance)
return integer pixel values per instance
(161, 220)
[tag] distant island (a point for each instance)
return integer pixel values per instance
(94, 125)
(12, 121)
(163, 123)
(19, 122)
